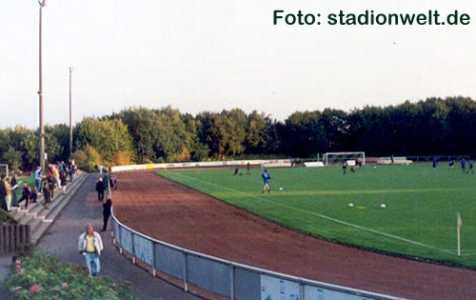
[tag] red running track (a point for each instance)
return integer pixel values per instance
(179, 215)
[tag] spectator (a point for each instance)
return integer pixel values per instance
(90, 246)
(14, 181)
(107, 182)
(8, 193)
(56, 176)
(63, 178)
(33, 195)
(26, 195)
(38, 178)
(47, 194)
(100, 188)
(14, 186)
(3, 194)
(106, 213)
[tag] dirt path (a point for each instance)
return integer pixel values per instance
(177, 214)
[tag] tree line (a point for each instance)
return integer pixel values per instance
(142, 135)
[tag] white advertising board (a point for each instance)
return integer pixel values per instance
(315, 293)
(207, 164)
(314, 164)
(278, 289)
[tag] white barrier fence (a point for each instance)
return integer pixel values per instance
(206, 164)
(225, 278)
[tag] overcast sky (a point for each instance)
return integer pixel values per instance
(209, 55)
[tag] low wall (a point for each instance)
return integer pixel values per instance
(205, 164)
(221, 278)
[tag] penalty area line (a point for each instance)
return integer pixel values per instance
(322, 216)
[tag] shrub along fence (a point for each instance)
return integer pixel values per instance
(14, 238)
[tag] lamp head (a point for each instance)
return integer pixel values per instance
(42, 3)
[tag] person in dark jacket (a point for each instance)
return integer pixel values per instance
(3, 193)
(106, 213)
(100, 188)
(47, 195)
(51, 182)
(26, 195)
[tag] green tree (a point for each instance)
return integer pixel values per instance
(107, 136)
(12, 158)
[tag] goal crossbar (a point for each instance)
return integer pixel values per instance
(345, 156)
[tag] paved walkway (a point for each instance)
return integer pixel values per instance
(61, 241)
(5, 264)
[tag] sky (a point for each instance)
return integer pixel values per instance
(210, 55)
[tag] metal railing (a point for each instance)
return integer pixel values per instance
(225, 278)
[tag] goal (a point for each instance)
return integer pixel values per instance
(3, 170)
(331, 158)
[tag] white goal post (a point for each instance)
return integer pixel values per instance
(330, 158)
(3, 170)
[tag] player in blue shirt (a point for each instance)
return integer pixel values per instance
(266, 178)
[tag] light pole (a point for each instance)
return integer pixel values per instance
(40, 90)
(70, 112)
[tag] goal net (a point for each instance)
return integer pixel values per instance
(331, 158)
(3, 170)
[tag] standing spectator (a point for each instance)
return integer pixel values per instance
(8, 193)
(14, 186)
(14, 181)
(26, 195)
(56, 175)
(74, 167)
(38, 178)
(100, 188)
(107, 182)
(106, 213)
(90, 246)
(51, 183)
(47, 195)
(33, 195)
(3, 194)
(63, 178)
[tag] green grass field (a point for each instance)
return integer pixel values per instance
(419, 219)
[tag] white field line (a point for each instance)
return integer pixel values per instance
(366, 192)
(388, 235)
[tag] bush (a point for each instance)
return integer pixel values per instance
(121, 158)
(87, 159)
(44, 277)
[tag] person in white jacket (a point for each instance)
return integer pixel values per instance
(90, 246)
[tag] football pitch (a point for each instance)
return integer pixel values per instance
(418, 220)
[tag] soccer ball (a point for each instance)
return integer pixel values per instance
(281, 189)
(383, 205)
(351, 204)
